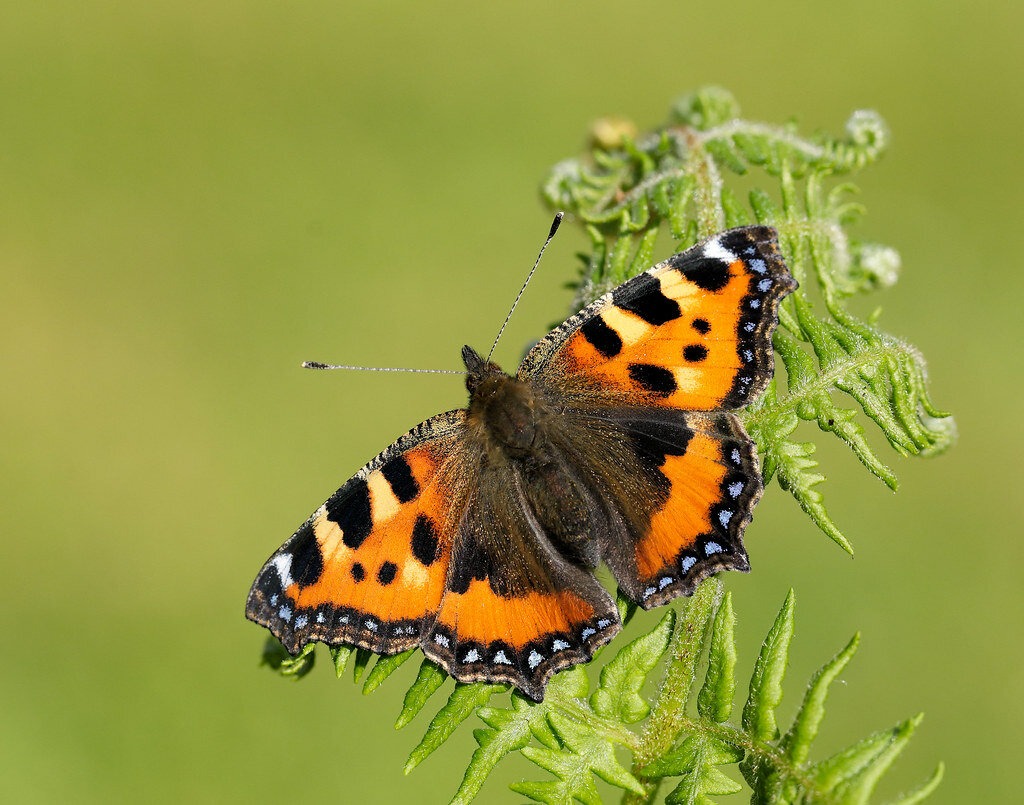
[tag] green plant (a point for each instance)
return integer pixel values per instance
(627, 192)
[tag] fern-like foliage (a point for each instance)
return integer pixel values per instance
(675, 180)
(687, 744)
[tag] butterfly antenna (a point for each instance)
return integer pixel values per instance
(551, 234)
(318, 365)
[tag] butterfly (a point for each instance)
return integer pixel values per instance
(477, 534)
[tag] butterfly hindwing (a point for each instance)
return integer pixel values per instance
(368, 567)
(693, 332)
(515, 608)
(706, 472)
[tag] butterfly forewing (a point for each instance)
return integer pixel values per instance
(693, 332)
(368, 568)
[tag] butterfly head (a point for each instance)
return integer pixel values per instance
(479, 369)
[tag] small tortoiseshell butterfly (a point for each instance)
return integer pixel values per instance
(476, 535)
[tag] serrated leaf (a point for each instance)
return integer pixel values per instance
(359, 665)
(584, 753)
(797, 741)
(769, 671)
(856, 787)
(383, 668)
(726, 155)
(622, 678)
(700, 779)
(692, 754)
(429, 679)
(668, 716)
(715, 700)
(460, 705)
(765, 695)
(549, 791)
(847, 765)
(765, 210)
(276, 657)
(340, 656)
(510, 729)
(923, 791)
(735, 213)
(626, 608)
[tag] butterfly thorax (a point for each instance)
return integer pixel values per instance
(505, 410)
(512, 425)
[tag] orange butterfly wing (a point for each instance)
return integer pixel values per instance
(692, 334)
(368, 567)
(409, 553)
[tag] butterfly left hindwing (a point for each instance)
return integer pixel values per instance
(476, 535)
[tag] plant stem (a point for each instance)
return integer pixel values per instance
(668, 716)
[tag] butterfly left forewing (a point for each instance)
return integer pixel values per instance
(368, 567)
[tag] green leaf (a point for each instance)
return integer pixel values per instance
(460, 706)
(695, 762)
(924, 790)
(797, 742)
(769, 670)
(510, 729)
(669, 713)
(618, 695)
(714, 702)
(765, 694)
(362, 660)
(383, 668)
(276, 657)
(855, 772)
(340, 656)
(584, 753)
(429, 679)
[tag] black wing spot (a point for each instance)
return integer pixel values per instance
(643, 296)
(471, 563)
(399, 476)
(695, 353)
(602, 337)
(654, 441)
(424, 541)
(745, 241)
(358, 573)
(387, 573)
(350, 509)
(655, 379)
(701, 326)
(307, 563)
(707, 273)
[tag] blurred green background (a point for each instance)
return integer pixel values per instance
(194, 197)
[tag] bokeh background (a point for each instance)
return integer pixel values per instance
(194, 197)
